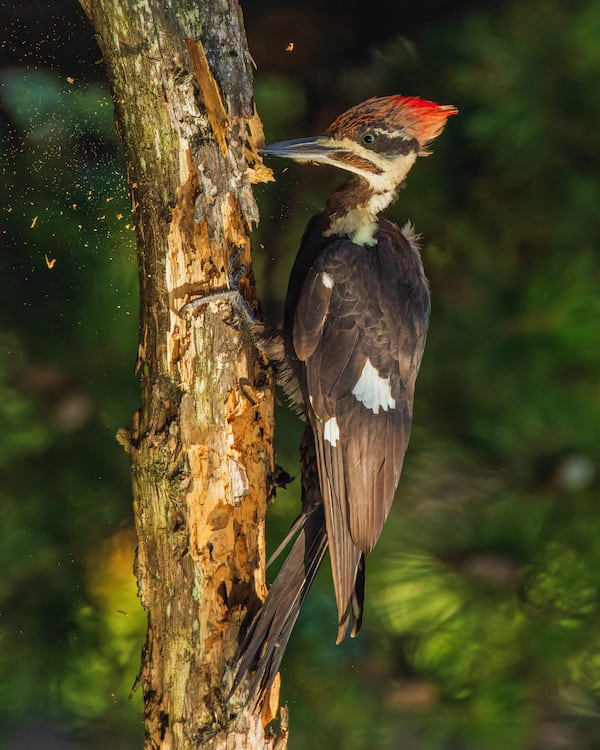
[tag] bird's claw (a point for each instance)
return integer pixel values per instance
(233, 276)
(232, 294)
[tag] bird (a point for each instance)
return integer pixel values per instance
(355, 323)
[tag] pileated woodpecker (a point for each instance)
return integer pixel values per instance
(355, 324)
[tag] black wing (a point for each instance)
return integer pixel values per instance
(359, 328)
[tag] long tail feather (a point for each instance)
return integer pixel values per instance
(267, 639)
(265, 643)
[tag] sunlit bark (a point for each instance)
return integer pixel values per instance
(201, 442)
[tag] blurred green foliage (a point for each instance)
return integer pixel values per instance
(482, 624)
(70, 641)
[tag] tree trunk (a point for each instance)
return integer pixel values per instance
(201, 443)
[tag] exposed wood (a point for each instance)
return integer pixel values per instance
(201, 443)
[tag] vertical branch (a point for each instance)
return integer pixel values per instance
(201, 443)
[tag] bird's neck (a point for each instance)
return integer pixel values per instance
(353, 209)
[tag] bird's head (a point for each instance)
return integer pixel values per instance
(379, 139)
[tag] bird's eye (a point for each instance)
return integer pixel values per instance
(368, 138)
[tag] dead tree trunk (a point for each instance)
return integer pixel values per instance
(201, 443)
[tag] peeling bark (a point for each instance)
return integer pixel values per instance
(201, 443)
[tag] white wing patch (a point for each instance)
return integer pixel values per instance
(331, 431)
(372, 390)
(327, 280)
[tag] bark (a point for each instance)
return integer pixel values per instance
(201, 443)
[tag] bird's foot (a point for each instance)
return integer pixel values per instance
(269, 341)
(232, 294)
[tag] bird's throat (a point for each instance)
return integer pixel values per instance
(353, 210)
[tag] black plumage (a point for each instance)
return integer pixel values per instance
(372, 312)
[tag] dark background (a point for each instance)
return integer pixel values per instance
(482, 621)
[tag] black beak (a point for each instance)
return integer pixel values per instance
(318, 148)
